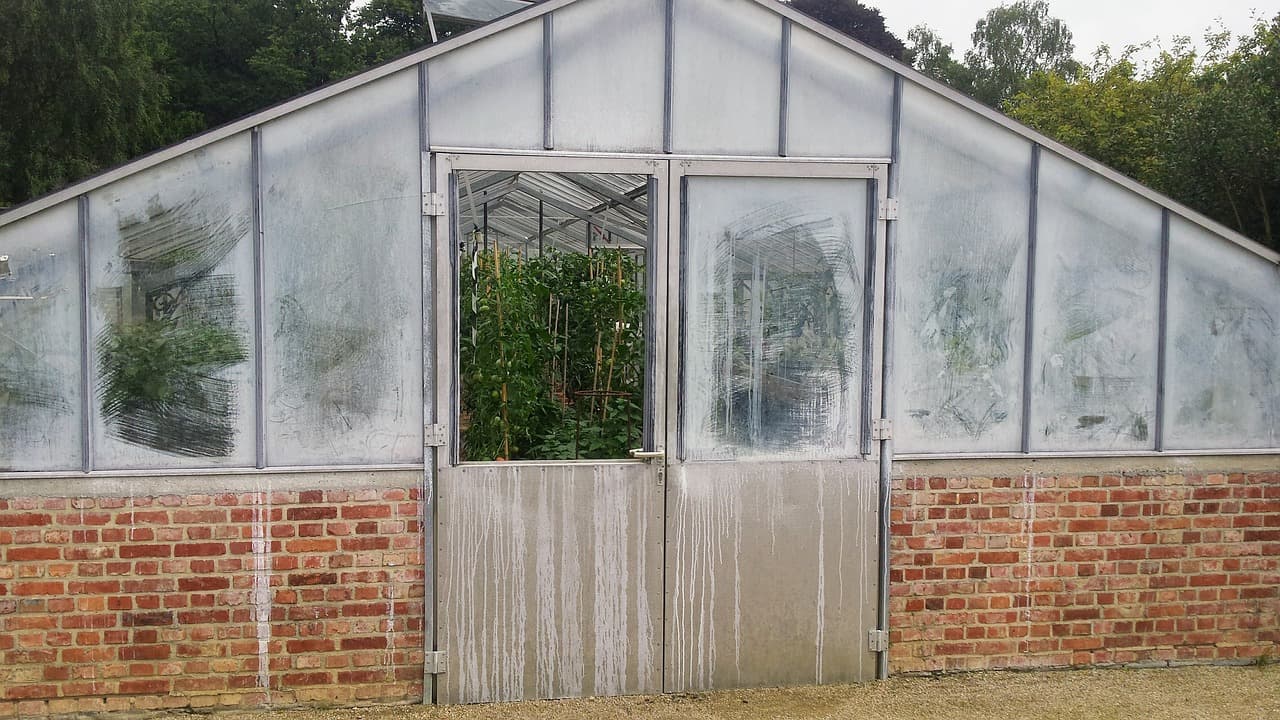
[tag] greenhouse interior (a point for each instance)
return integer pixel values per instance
(618, 347)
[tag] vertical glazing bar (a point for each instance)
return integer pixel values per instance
(784, 85)
(86, 341)
(668, 77)
(427, 495)
(1028, 330)
(455, 303)
(682, 304)
(259, 304)
(886, 384)
(548, 138)
(868, 315)
(651, 388)
(1162, 334)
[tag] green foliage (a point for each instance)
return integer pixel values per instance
(158, 362)
(552, 355)
(931, 56)
(78, 91)
(856, 20)
(1013, 42)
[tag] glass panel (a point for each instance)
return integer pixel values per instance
(961, 266)
(489, 94)
(774, 277)
(1096, 313)
(171, 271)
(553, 296)
(40, 397)
(840, 105)
(727, 78)
(342, 219)
(1223, 384)
(607, 82)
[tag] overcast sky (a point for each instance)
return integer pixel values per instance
(1115, 22)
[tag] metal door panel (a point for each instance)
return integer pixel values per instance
(550, 581)
(771, 574)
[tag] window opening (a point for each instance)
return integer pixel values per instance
(553, 305)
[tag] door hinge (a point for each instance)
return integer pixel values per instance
(434, 436)
(877, 640)
(436, 662)
(889, 209)
(882, 429)
(432, 204)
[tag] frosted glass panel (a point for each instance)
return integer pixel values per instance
(1223, 385)
(171, 272)
(342, 217)
(961, 265)
(489, 93)
(840, 105)
(607, 75)
(40, 399)
(774, 277)
(727, 77)
(1096, 313)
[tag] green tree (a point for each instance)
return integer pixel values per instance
(1012, 43)
(855, 20)
(78, 92)
(386, 29)
(931, 56)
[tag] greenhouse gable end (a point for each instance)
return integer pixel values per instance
(624, 346)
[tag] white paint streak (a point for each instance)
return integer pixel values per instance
(261, 544)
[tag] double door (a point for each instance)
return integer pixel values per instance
(656, 379)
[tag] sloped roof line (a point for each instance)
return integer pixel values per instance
(549, 6)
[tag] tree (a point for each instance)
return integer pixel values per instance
(855, 20)
(386, 29)
(78, 92)
(934, 58)
(1013, 42)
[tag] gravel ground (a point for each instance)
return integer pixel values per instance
(1240, 693)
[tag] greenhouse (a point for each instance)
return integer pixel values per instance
(624, 346)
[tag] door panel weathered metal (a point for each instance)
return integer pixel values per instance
(550, 581)
(771, 574)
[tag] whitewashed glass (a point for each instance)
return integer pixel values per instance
(607, 75)
(727, 78)
(343, 279)
(774, 275)
(489, 94)
(1223, 385)
(839, 105)
(40, 342)
(171, 276)
(1096, 313)
(962, 274)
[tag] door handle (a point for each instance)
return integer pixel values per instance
(642, 454)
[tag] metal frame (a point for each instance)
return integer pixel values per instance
(446, 263)
(799, 168)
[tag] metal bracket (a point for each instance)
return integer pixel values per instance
(877, 640)
(434, 436)
(882, 429)
(889, 209)
(436, 663)
(432, 204)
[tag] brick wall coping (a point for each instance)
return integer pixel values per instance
(143, 484)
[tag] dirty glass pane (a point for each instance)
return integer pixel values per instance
(607, 75)
(774, 276)
(727, 78)
(840, 105)
(962, 274)
(1223, 383)
(40, 399)
(489, 93)
(342, 219)
(552, 299)
(1096, 313)
(171, 276)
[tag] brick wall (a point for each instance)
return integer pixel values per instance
(1056, 569)
(236, 599)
